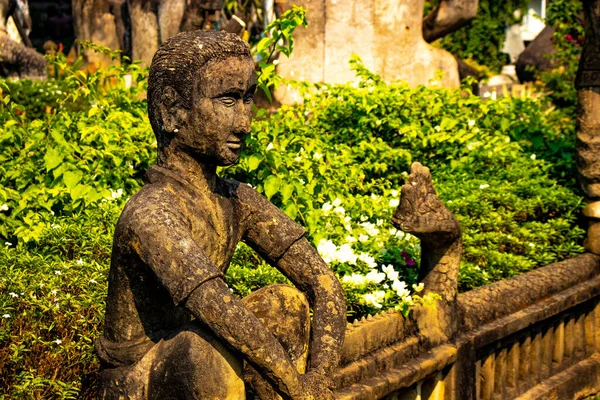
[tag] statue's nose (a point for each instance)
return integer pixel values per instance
(243, 121)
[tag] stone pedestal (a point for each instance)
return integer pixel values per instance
(386, 34)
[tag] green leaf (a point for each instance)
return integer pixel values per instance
(253, 162)
(72, 178)
(271, 186)
(53, 158)
(79, 191)
(286, 192)
(291, 210)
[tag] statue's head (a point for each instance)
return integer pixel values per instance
(200, 95)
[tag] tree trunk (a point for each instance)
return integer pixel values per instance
(447, 17)
(588, 121)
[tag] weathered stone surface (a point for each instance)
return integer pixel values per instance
(502, 298)
(386, 34)
(173, 329)
(421, 213)
(448, 16)
(536, 57)
(17, 60)
(588, 117)
(99, 21)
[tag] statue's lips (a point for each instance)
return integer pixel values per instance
(234, 144)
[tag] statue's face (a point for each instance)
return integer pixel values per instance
(221, 113)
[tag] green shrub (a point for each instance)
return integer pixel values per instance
(483, 38)
(335, 164)
(567, 18)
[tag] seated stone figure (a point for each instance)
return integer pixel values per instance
(173, 329)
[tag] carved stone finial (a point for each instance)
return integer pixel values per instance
(422, 213)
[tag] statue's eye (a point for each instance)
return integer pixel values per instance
(248, 99)
(228, 101)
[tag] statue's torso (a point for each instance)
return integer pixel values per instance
(140, 309)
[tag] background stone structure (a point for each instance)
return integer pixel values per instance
(386, 34)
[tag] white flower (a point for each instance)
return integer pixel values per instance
(484, 186)
(93, 281)
(363, 218)
(326, 207)
(379, 222)
(532, 157)
(340, 210)
(400, 288)
(57, 272)
(471, 123)
(394, 193)
(13, 295)
(394, 202)
(437, 128)
(375, 277)
(316, 156)
(327, 250)
(5, 315)
(58, 341)
(531, 245)
(507, 139)
(115, 194)
(391, 273)
(337, 202)
(350, 239)
(354, 279)
(54, 291)
(79, 262)
(374, 299)
(4, 207)
(346, 255)
(270, 146)
(55, 226)
(7, 244)
(373, 196)
(362, 238)
(367, 259)
(370, 228)
(297, 158)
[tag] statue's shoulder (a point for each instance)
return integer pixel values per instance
(152, 202)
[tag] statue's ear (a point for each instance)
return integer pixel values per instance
(172, 113)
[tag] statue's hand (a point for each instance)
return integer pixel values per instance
(421, 212)
(316, 387)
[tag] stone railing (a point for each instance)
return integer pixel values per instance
(533, 336)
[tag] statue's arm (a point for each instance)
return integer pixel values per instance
(226, 315)
(306, 269)
(164, 243)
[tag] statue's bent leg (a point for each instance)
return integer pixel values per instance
(284, 311)
(191, 364)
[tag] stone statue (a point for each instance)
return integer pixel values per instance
(587, 145)
(16, 59)
(173, 329)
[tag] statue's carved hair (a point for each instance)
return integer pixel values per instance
(178, 63)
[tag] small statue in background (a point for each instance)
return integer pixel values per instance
(18, 59)
(173, 329)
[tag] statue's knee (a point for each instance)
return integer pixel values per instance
(197, 364)
(277, 301)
